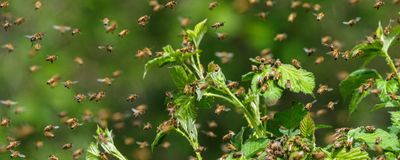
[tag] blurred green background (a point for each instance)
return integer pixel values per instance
(248, 35)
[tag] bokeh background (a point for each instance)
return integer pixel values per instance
(248, 35)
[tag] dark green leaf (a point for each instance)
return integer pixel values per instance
(355, 79)
(389, 104)
(356, 100)
(157, 141)
(237, 140)
(248, 76)
(322, 126)
(289, 119)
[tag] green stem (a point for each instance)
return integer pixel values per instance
(193, 63)
(192, 142)
(391, 65)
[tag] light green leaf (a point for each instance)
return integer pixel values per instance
(248, 76)
(93, 152)
(389, 142)
(389, 104)
(157, 141)
(386, 87)
(273, 93)
(352, 154)
(252, 146)
(322, 126)
(395, 118)
(300, 79)
(355, 79)
(307, 126)
(199, 30)
(181, 77)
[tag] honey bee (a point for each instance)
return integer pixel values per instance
(264, 88)
(5, 122)
(145, 52)
(53, 157)
(224, 56)
(61, 28)
(52, 82)
(107, 47)
(375, 91)
(39, 144)
(147, 126)
(106, 21)
(19, 21)
(111, 28)
(72, 123)
(321, 112)
(76, 31)
(96, 96)
(212, 124)
(35, 37)
(320, 16)
(288, 84)
(69, 83)
(38, 4)
(80, 97)
(378, 4)
(106, 80)
(132, 97)
(352, 22)
(12, 144)
(295, 4)
(280, 37)
(218, 25)
(143, 144)
(309, 105)
(171, 4)
(8, 103)
(7, 25)
(346, 55)
(221, 36)
(210, 134)
(335, 53)
(220, 108)
(143, 20)
(200, 149)
(323, 88)
(212, 5)
(50, 128)
(129, 140)
(390, 76)
(4, 4)
(78, 60)
(269, 3)
(16, 154)
(262, 15)
(296, 63)
(331, 105)
(77, 153)
(166, 145)
(49, 134)
(309, 51)
(353, 2)
(51, 58)
(228, 136)
(396, 1)
(139, 110)
(317, 7)
(319, 60)
(123, 33)
(306, 6)
(116, 73)
(292, 17)
(67, 146)
(232, 84)
(156, 6)
(393, 96)
(37, 46)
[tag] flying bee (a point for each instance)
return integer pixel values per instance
(145, 52)
(5, 122)
(352, 22)
(49, 134)
(131, 97)
(224, 56)
(111, 28)
(212, 124)
(4, 4)
(280, 37)
(212, 5)
(106, 21)
(184, 21)
(107, 47)
(123, 33)
(80, 97)
(166, 145)
(72, 123)
(269, 3)
(97, 96)
(53, 157)
(143, 20)
(19, 21)
(143, 144)
(378, 4)
(220, 108)
(76, 31)
(317, 7)
(353, 2)
(69, 83)
(309, 51)
(221, 36)
(106, 80)
(262, 15)
(39, 144)
(16, 154)
(346, 55)
(200, 149)
(239, 92)
(77, 153)
(7, 25)
(50, 128)
(331, 105)
(295, 4)
(35, 37)
(61, 28)
(67, 146)
(210, 134)
(323, 88)
(78, 60)
(292, 16)
(37, 46)
(139, 110)
(116, 73)
(156, 6)
(9, 47)
(232, 84)
(319, 60)
(51, 58)
(296, 63)
(147, 126)
(52, 82)
(393, 96)
(306, 6)
(309, 105)
(171, 4)
(8, 103)
(218, 25)
(38, 4)
(319, 16)
(228, 136)
(375, 91)
(335, 53)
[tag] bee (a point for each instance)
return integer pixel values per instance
(76, 31)
(212, 124)
(292, 16)
(50, 128)
(19, 21)
(390, 76)
(269, 3)
(320, 16)
(139, 110)
(396, 1)
(280, 37)
(393, 96)
(296, 63)
(147, 126)
(7, 25)
(306, 6)
(106, 80)
(166, 145)
(288, 85)
(184, 21)
(67, 146)
(39, 144)
(143, 20)
(72, 123)
(239, 92)
(38, 4)
(375, 91)
(309, 51)
(49, 134)
(335, 53)
(346, 55)
(352, 22)
(69, 83)
(77, 153)
(200, 149)
(143, 144)
(107, 47)
(123, 33)
(96, 96)
(224, 56)
(212, 5)
(253, 2)
(321, 112)
(309, 105)
(378, 4)
(111, 28)
(353, 2)
(264, 88)
(220, 108)
(16, 154)
(61, 28)
(262, 15)
(230, 147)
(228, 136)
(171, 4)
(116, 73)
(131, 97)
(37, 46)
(221, 36)
(319, 60)
(331, 105)
(295, 4)
(35, 37)
(232, 84)
(78, 60)
(51, 58)
(323, 88)
(325, 40)
(4, 4)
(5, 122)
(218, 25)
(156, 6)
(370, 129)
(52, 82)
(8, 103)
(128, 140)
(209, 134)
(53, 157)
(145, 52)
(106, 21)
(317, 7)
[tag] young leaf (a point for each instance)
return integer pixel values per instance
(389, 142)
(180, 77)
(355, 79)
(199, 30)
(93, 152)
(352, 154)
(388, 104)
(386, 87)
(307, 126)
(248, 76)
(273, 93)
(322, 126)
(300, 79)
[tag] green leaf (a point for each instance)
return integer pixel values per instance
(289, 119)
(300, 79)
(386, 87)
(180, 77)
(352, 154)
(186, 114)
(389, 142)
(273, 93)
(355, 79)
(369, 51)
(216, 75)
(356, 100)
(248, 76)
(237, 140)
(395, 118)
(389, 104)
(93, 152)
(307, 126)
(157, 141)
(197, 34)
(252, 146)
(322, 126)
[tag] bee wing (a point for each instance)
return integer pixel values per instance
(101, 47)
(67, 28)
(57, 27)
(100, 80)
(357, 19)
(29, 36)
(346, 22)
(74, 82)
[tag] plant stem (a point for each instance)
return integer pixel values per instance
(192, 142)
(391, 65)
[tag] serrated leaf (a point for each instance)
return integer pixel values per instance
(93, 152)
(395, 118)
(307, 126)
(300, 79)
(289, 118)
(273, 93)
(355, 79)
(186, 114)
(356, 100)
(157, 141)
(237, 140)
(352, 154)
(216, 75)
(369, 51)
(252, 146)
(181, 77)
(389, 142)
(385, 88)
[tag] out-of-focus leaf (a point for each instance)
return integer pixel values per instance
(199, 30)
(352, 154)
(157, 141)
(273, 93)
(216, 74)
(355, 79)
(356, 99)
(248, 76)
(322, 126)
(180, 77)
(93, 152)
(237, 140)
(395, 118)
(388, 104)
(389, 142)
(386, 87)
(300, 79)
(307, 126)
